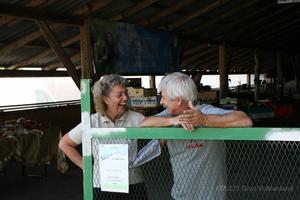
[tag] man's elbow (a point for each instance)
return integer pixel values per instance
(244, 119)
(248, 122)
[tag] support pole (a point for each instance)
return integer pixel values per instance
(256, 75)
(86, 53)
(249, 81)
(152, 82)
(279, 78)
(223, 71)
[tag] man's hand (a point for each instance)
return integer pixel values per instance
(193, 117)
(175, 121)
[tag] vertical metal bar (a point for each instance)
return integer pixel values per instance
(86, 140)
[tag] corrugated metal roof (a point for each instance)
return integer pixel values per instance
(243, 24)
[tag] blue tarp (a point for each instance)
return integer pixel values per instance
(127, 48)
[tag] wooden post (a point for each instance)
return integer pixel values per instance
(279, 78)
(86, 53)
(256, 75)
(59, 51)
(223, 71)
(249, 81)
(152, 81)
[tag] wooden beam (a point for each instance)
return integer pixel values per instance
(256, 74)
(165, 12)
(223, 71)
(59, 51)
(195, 14)
(33, 73)
(31, 59)
(12, 21)
(90, 8)
(37, 14)
(133, 9)
(86, 53)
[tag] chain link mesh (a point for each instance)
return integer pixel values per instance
(255, 170)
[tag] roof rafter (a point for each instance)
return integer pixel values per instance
(43, 53)
(133, 9)
(223, 16)
(195, 14)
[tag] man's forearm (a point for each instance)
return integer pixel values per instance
(159, 122)
(234, 119)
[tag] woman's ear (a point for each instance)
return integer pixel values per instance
(104, 99)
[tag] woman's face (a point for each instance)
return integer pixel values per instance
(116, 100)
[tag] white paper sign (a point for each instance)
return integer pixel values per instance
(114, 167)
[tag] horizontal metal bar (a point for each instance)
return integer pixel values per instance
(250, 134)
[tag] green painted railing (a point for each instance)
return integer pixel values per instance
(250, 134)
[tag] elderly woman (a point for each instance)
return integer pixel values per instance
(110, 98)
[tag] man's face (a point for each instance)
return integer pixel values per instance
(117, 99)
(171, 105)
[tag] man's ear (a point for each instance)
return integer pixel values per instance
(179, 101)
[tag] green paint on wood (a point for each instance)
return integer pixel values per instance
(88, 178)
(85, 95)
(274, 134)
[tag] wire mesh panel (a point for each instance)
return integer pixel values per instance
(263, 170)
(197, 169)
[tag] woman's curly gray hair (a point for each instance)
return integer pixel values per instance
(102, 87)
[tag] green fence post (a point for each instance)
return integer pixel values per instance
(86, 140)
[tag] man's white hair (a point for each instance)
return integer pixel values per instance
(179, 84)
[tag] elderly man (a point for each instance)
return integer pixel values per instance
(198, 166)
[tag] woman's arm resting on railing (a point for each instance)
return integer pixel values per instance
(68, 146)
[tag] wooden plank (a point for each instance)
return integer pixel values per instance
(189, 17)
(165, 12)
(33, 73)
(133, 9)
(31, 59)
(59, 51)
(86, 53)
